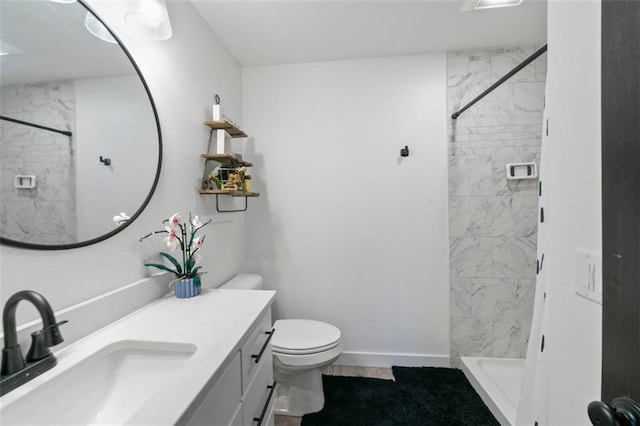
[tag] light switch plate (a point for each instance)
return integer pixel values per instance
(589, 275)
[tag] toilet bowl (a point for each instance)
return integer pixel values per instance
(301, 348)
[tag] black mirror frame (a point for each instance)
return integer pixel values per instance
(120, 228)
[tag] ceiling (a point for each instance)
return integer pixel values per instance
(282, 32)
(54, 44)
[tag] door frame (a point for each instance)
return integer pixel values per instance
(621, 199)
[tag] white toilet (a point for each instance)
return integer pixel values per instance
(301, 348)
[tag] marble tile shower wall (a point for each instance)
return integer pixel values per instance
(46, 213)
(492, 221)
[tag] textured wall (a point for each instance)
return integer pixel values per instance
(345, 229)
(492, 221)
(183, 81)
(46, 213)
(572, 180)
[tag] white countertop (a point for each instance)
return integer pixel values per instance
(216, 322)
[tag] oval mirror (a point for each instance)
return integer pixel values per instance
(80, 139)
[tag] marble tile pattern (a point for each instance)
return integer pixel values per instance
(46, 213)
(492, 221)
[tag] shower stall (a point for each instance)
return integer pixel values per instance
(493, 216)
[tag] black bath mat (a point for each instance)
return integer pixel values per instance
(420, 396)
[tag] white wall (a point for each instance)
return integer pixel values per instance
(183, 73)
(104, 191)
(347, 230)
(572, 156)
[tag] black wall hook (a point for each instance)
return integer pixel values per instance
(105, 161)
(404, 152)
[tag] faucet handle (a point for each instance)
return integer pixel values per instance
(41, 340)
(39, 348)
(52, 334)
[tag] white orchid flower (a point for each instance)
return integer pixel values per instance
(180, 236)
(175, 220)
(172, 238)
(197, 224)
(121, 218)
(197, 242)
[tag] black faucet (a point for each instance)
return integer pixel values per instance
(15, 371)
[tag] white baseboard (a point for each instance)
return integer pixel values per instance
(387, 360)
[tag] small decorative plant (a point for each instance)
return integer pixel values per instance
(181, 235)
(214, 180)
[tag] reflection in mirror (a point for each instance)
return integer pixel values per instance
(79, 136)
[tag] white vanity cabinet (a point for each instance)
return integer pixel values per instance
(207, 361)
(258, 386)
(243, 394)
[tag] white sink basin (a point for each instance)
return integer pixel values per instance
(107, 387)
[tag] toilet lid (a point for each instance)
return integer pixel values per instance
(304, 336)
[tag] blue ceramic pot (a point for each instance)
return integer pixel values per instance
(189, 287)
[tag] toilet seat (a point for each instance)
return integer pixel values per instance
(307, 351)
(304, 337)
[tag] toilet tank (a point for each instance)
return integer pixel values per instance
(244, 282)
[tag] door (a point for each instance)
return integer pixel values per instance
(620, 212)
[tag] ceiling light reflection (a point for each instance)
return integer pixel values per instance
(96, 28)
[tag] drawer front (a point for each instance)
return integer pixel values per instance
(270, 420)
(254, 349)
(237, 419)
(257, 403)
(222, 403)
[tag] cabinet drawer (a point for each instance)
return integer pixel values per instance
(257, 402)
(221, 405)
(270, 420)
(237, 419)
(254, 349)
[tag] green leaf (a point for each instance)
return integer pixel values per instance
(173, 261)
(195, 270)
(190, 264)
(163, 267)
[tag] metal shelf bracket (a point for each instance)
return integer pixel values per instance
(246, 204)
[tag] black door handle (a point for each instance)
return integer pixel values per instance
(623, 411)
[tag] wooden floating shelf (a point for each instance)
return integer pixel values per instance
(228, 127)
(227, 192)
(227, 159)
